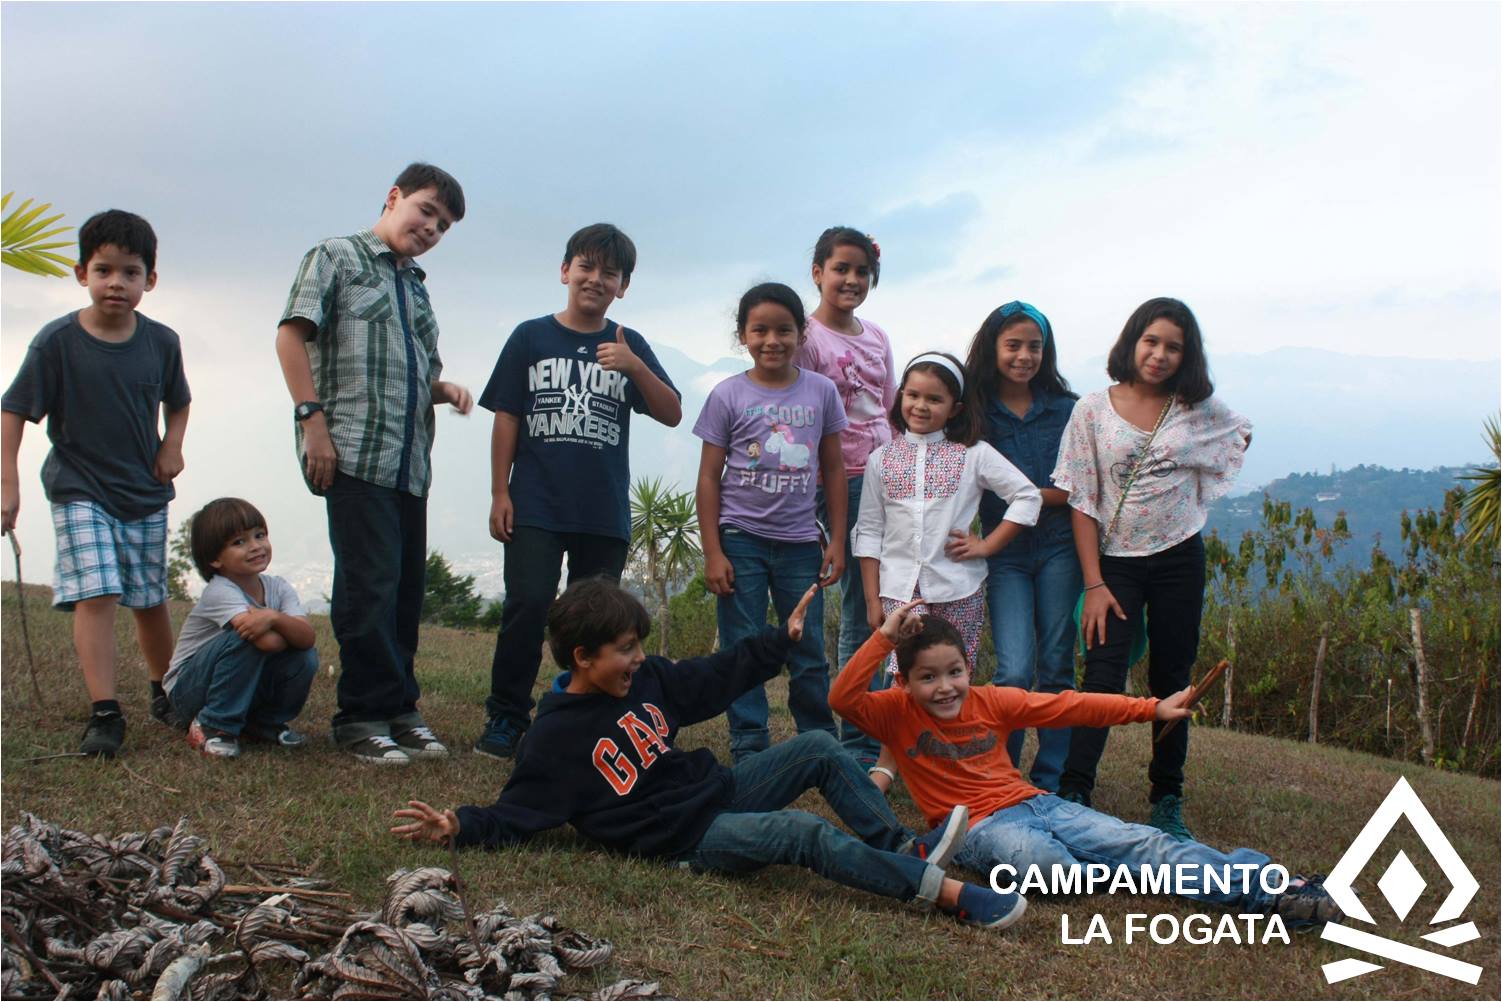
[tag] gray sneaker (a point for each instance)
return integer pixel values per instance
(421, 742)
(378, 749)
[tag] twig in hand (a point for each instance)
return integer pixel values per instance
(1195, 695)
(148, 782)
(31, 661)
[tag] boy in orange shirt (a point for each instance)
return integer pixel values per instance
(950, 745)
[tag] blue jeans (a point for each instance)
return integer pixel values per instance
(756, 832)
(1031, 592)
(228, 683)
(1046, 830)
(854, 629)
(786, 569)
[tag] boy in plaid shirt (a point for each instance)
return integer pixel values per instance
(358, 346)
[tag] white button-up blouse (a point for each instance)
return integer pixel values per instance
(917, 489)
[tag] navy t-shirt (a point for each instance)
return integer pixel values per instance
(102, 401)
(572, 467)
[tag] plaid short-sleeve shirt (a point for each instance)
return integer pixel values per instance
(374, 355)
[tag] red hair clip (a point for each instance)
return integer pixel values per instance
(874, 245)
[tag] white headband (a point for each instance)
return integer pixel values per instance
(936, 359)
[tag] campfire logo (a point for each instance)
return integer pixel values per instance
(1401, 885)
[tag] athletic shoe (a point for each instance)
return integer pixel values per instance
(378, 749)
(421, 742)
(983, 907)
(280, 735)
(1306, 903)
(1075, 796)
(939, 846)
(213, 743)
(500, 737)
(1168, 817)
(163, 713)
(103, 735)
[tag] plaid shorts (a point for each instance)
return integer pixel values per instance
(97, 554)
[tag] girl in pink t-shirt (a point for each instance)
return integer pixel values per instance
(857, 355)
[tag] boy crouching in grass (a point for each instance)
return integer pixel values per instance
(600, 756)
(245, 658)
(950, 743)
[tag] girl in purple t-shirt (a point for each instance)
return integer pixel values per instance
(857, 355)
(768, 434)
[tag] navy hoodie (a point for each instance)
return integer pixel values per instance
(608, 766)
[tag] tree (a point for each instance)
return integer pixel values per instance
(449, 599)
(23, 236)
(1481, 511)
(180, 569)
(664, 531)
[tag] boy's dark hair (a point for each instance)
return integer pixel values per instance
(980, 363)
(605, 245)
(769, 292)
(122, 229)
(215, 524)
(1192, 381)
(590, 614)
(846, 236)
(965, 427)
(936, 632)
(418, 176)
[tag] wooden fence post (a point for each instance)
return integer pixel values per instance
(1225, 691)
(1319, 667)
(1426, 730)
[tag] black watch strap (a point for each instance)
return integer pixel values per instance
(306, 409)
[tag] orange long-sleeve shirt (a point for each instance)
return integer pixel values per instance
(965, 760)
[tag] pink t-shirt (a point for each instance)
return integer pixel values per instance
(864, 374)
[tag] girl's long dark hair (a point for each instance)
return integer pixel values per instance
(1192, 381)
(980, 364)
(968, 425)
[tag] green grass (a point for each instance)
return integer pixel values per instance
(782, 933)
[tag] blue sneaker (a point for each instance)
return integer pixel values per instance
(500, 737)
(1168, 817)
(983, 907)
(939, 846)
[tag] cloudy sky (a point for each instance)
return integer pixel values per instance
(1316, 176)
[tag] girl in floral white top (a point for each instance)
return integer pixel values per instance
(921, 493)
(1142, 461)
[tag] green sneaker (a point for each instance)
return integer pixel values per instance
(1168, 817)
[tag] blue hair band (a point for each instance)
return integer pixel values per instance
(1016, 306)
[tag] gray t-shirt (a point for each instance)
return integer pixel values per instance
(222, 600)
(102, 401)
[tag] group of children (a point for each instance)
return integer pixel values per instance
(823, 464)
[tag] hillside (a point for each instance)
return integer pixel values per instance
(777, 934)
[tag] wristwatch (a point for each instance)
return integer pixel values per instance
(307, 409)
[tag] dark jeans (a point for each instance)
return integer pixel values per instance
(756, 832)
(1171, 584)
(380, 540)
(228, 683)
(853, 626)
(534, 564)
(786, 570)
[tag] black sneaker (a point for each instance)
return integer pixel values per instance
(1075, 796)
(104, 735)
(500, 737)
(274, 734)
(163, 713)
(378, 749)
(421, 742)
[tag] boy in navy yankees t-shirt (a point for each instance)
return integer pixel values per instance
(563, 391)
(601, 757)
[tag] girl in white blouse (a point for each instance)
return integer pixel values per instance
(1142, 461)
(920, 496)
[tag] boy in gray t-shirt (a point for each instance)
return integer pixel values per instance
(245, 657)
(102, 378)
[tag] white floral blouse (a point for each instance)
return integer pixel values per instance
(1193, 461)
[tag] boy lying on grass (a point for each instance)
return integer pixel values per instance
(950, 744)
(600, 756)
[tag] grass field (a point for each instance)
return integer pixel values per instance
(782, 933)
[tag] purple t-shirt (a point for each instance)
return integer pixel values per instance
(771, 442)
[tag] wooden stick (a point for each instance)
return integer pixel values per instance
(36, 962)
(1195, 695)
(272, 889)
(148, 782)
(31, 661)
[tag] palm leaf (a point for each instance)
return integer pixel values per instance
(1483, 524)
(24, 235)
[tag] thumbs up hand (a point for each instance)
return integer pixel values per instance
(617, 356)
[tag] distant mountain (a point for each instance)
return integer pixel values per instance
(1373, 499)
